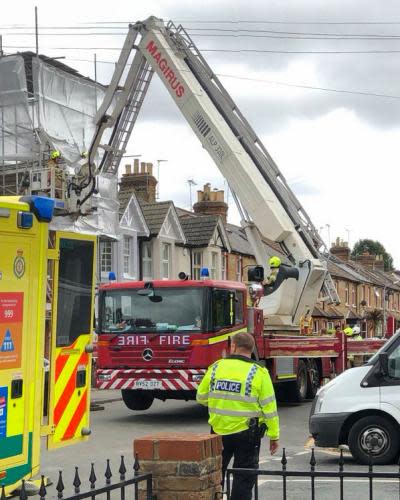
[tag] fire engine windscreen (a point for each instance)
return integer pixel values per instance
(175, 310)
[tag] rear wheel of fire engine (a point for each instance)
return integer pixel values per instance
(297, 391)
(313, 379)
(374, 436)
(137, 399)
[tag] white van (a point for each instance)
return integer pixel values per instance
(361, 408)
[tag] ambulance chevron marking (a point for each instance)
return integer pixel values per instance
(76, 418)
(61, 361)
(69, 390)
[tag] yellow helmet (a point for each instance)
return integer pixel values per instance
(348, 331)
(55, 154)
(274, 262)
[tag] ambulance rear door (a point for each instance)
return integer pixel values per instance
(72, 324)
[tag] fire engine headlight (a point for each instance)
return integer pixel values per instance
(104, 377)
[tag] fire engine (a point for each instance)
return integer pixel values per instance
(157, 338)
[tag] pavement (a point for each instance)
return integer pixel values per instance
(114, 429)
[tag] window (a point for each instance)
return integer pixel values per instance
(127, 254)
(238, 268)
(223, 309)
(346, 294)
(106, 256)
(364, 329)
(394, 363)
(165, 260)
(179, 310)
(147, 260)
(329, 325)
(353, 295)
(315, 326)
(239, 306)
(214, 266)
(377, 298)
(74, 302)
(197, 264)
(223, 266)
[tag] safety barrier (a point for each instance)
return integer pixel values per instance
(340, 475)
(124, 488)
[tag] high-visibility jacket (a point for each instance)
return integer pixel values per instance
(236, 389)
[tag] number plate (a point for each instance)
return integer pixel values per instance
(148, 384)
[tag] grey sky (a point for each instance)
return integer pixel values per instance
(339, 150)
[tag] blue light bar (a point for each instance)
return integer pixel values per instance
(41, 206)
(204, 272)
(111, 276)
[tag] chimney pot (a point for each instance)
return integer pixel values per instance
(128, 169)
(136, 166)
(143, 167)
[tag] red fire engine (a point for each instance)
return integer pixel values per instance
(156, 339)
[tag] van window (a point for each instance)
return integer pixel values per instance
(394, 363)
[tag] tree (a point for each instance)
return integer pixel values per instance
(373, 247)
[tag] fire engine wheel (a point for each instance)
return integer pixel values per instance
(313, 379)
(297, 390)
(374, 436)
(137, 399)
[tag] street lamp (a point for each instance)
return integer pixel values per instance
(158, 178)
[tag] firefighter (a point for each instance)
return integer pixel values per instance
(241, 405)
(274, 264)
(54, 165)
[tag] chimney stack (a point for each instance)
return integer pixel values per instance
(341, 250)
(366, 260)
(211, 202)
(141, 182)
(379, 263)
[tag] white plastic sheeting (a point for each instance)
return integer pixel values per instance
(67, 105)
(17, 140)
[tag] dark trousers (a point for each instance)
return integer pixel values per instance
(244, 450)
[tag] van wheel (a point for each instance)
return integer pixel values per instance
(297, 391)
(313, 379)
(137, 399)
(374, 436)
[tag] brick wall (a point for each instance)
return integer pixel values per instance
(185, 466)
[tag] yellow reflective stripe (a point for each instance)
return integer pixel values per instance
(232, 397)
(202, 396)
(235, 413)
(293, 375)
(222, 338)
(265, 401)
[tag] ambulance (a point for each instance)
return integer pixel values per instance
(46, 318)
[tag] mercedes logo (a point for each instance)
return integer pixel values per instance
(147, 354)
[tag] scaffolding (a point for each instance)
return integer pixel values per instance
(45, 106)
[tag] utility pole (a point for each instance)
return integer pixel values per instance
(36, 31)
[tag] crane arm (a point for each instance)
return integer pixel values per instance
(265, 197)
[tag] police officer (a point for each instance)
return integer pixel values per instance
(241, 404)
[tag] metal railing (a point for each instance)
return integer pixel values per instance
(124, 488)
(340, 475)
